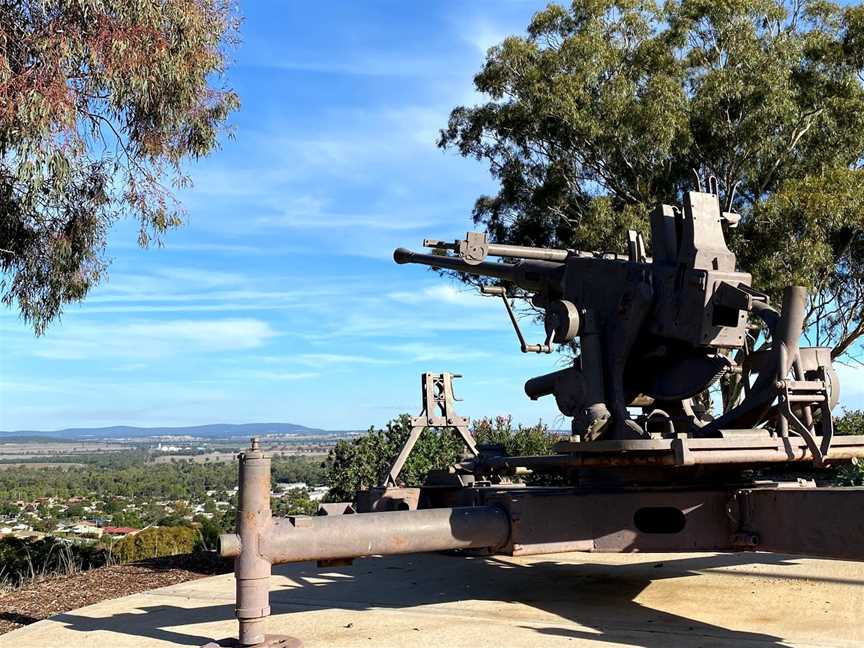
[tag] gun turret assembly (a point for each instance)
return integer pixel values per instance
(653, 333)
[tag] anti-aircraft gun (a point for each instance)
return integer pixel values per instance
(652, 334)
(655, 332)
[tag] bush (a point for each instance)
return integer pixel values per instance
(850, 422)
(532, 440)
(293, 502)
(156, 542)
(363, 462)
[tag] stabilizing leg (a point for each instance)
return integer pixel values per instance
(438, 411)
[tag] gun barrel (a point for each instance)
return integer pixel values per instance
(509, 251)
(530, 275)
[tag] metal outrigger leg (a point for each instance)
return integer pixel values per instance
(439, 411)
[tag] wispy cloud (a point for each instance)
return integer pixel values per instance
(281, 277)
(446, 294)
(278, 376)
(317, 359)
(369, 64)
(482, 34)
(428, 352)
(313, 213)
(153, 339)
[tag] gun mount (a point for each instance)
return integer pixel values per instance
(655, 332)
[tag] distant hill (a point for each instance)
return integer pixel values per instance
(213, 431)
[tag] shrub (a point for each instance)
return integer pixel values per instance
(156, 542)
(363, 462)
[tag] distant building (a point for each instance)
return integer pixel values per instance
(86, 528)
(318, 493)
(287, 486)
(119, 531)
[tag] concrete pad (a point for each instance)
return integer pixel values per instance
(448, 601)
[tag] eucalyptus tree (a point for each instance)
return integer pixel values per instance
(101, 102)
(605, 108)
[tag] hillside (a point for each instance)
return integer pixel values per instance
(211, 431)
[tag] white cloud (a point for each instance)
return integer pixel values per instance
(315, 215)
(427, 352)
(483, 34)
(152, 339)
(446, 294)
(369, 64)
(316, 359)
(278, 376)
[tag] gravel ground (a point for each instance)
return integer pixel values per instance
(44, 598)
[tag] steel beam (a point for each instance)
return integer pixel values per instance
(825, 522)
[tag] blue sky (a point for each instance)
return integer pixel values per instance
(279, 299)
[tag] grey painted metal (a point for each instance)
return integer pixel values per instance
(261, 540)
(530, 275)
(475, 248)
(780, 517)
(654, 332)
(330, 537)
(523, 521)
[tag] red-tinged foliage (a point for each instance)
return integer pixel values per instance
(100, 103)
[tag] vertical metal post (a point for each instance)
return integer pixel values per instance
(251, 570)
(787, 340)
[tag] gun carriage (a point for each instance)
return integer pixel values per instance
(646, 467)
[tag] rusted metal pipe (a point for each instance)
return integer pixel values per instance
(300, 539)
(251, 569)
(392, 532)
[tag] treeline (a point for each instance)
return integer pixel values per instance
(131, 476)
(850, 422)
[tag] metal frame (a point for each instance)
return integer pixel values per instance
(439, 411)
(735, 447)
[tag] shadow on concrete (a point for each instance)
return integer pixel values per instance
(595, 596)
(152, 621)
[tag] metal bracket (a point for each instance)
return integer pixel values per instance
(807, 393)
(546, 347)
(438, 411)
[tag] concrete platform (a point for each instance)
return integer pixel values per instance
(447, 601)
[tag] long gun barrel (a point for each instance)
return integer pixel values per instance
(529, 275)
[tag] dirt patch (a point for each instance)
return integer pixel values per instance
(50, 596)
